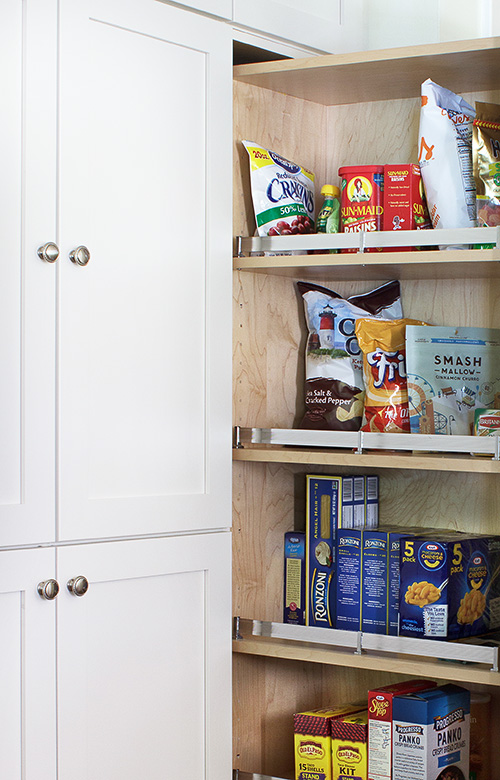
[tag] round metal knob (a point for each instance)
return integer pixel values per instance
(48, 252)
(48, 590)
(80, 255)
(78, 586)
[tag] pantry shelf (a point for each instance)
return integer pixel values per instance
(371, 450)
(239, 775)
(386, 74)
(461, 662)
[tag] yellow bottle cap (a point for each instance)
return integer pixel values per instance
(329, 189)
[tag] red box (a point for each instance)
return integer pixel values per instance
(404, 201)
(380, 725)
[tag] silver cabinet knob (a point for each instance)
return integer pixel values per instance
(48, 252)
(48, 590)
(80, 255)
(78, 586)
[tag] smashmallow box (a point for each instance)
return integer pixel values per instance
(431, 734)
(449, 586)
(294, 591)
(323, 515)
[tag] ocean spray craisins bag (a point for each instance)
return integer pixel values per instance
(282, 193)
(445, 157)
(334, 370)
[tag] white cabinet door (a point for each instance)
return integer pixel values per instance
(28, 668)
(28, 57)
(144, 328)
(144, 660)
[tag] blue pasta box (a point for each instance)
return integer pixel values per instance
(375, 581)
(294, 591)
(431, 734)
(348, 561)
(371, 501)
(449, 585)
(323, 516)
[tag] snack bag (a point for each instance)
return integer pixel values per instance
(486, 160)
(282, 193)
(445, 157)
(334, 368)
(382, 343)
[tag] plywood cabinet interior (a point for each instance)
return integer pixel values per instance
(320, 114)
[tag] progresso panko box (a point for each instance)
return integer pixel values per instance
(449, 585)
(431, 734)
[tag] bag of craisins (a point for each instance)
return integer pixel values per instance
(334, 387)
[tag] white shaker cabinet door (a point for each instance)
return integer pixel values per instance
(144, 660)
(28, 59)
(28, 668)
(144, 326)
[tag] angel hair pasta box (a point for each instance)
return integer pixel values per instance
(449, 586)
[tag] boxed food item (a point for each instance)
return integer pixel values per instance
(353, 502)
(361, 204)
(294, 595)
(449, 585)
(374, 581)
(487, 422)
(431, 734)
(372, 501)
(323, 501)
(450, 373)
(380, 716)
(350, 746)
(405, 207)
(313, 741)
(348, 575)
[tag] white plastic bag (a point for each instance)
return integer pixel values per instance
(445, 157)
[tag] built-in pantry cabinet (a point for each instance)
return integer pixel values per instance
(115, 396)
(322, 113)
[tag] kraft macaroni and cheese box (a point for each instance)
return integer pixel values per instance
(350, 746)
(323, 500)
(449, 586)
(294, 594)
(431, 734)
(380, 713)
(348, 561)
(313, 741)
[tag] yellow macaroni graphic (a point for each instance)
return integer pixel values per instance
(471, 607)
(422, 593)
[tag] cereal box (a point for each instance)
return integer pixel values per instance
(350, 746)
(404, 201)
(380, 702)
(431, 734)
(313, 741)
(323, 499)
(294, 607)
(449, 586)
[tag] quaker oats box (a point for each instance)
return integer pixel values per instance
(451, 372)
(431, 734)
(313, 741)
(449, 585)
(294, 591)
(350, 746)
(323, 515)
(380, 701)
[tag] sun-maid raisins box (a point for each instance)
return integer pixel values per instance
(431, 734)
(449, 586)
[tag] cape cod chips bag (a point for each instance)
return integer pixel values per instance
(282, 193)
(334, 372)
(382, 343)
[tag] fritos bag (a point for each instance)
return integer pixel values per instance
(445, 157)
(486, 159)
(382, 343)
(334, 370)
